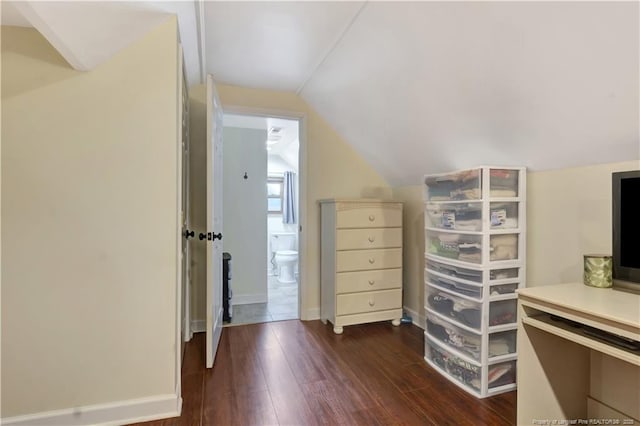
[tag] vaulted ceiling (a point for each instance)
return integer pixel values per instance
(414, 87)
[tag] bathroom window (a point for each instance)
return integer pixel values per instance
(274, 195)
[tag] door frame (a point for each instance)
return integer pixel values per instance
(301, 117)
(187, 332)
(179, 226)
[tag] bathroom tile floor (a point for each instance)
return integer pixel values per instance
(282, 304)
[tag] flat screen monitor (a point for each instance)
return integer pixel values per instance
(626, 230)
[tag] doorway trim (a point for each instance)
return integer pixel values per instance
(179, 342)
(301, 117)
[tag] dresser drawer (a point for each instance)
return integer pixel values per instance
(350, 239)
(362, 260)
(352, 282)
(369, 301)
(368, 216)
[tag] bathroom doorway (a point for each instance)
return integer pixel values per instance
(262, 176)
(283, 147)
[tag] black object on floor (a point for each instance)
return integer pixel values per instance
(226, 287)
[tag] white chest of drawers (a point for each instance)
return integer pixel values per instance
(361, 262)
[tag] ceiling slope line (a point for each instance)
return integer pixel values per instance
(40, 24)
(331, 47)
(199, 7)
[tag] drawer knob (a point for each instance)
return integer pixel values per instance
(371, 218)
(372, 260)
(372, 302)
(371, 239)
(371, 282)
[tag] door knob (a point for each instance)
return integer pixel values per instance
(211, 236)
(188, 234)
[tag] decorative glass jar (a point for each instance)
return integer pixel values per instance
(598, 270)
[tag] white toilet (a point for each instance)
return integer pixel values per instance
(284, 255)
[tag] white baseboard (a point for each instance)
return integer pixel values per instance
(311, 314)
(418, 319)
(198, 326)
(245, 299)
(121, 412)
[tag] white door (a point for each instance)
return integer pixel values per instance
(214, 221)
(186, 231)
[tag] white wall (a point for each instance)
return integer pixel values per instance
(89, 223)
(245, 211)
(276, 166)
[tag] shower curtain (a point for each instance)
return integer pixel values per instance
(289, 198)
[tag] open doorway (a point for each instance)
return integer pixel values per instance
(261, 175)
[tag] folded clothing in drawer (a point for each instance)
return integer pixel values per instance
(502, 343)
(464, 185)
(464, 372)
(499, 289)
(501, 274)
(457, 368)
(497, 375)
(463, 217)
(503, 215)
(455, 271)
(503, 312)
(455, 286)
(438, 357)
(503, 247)
(453, 336)
(504, 183)
(501, 374)
(467, 248)
(464, 311)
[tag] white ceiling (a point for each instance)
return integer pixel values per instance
(105, 30)
(415, 87)
(275, 45)
(282, 134)
(429, 87)
(12, 16)
(87, 33)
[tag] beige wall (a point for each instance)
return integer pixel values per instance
(583, 195)
(568, 215)
(333, 170)
(413, 253)
(197, 201)
(89, 165)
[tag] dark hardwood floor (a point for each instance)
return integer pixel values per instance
(300, 373)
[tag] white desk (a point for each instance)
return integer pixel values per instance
(565, 375)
